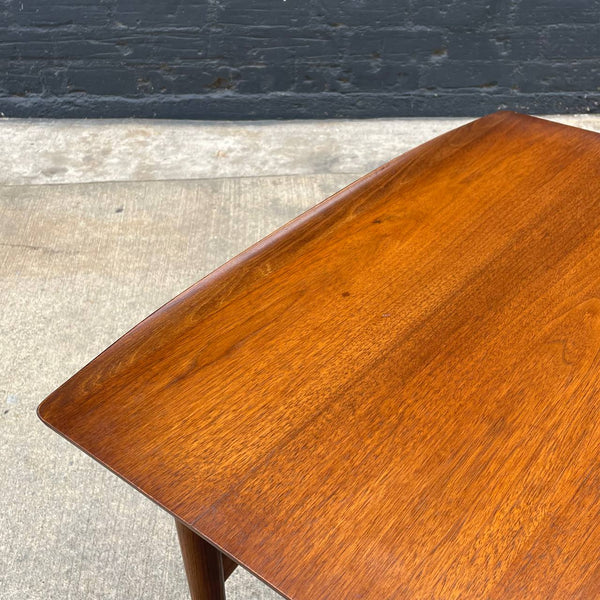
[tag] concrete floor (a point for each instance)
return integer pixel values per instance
(100, 224)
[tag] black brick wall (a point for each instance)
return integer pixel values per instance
(245, 59)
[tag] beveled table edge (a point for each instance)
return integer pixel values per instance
(248, 256)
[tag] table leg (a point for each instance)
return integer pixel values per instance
(203, 565)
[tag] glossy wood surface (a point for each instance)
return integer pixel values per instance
(396, 395)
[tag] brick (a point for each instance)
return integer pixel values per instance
(486, 45)
(275, 46)
(467, 74)
(395, 42)
(20, 83)
(205, 78)
(292, 13)
(557, 43)
(161, 13)
(559, 77)
(357, 13)
(378, 75)
(264, 80)
(317, 78)
(550, 12)
(446, 13)
(101, 81)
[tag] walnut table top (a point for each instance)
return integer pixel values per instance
(395, 395)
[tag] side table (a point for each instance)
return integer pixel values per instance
(395, 395)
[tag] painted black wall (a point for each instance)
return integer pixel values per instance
(246, 59)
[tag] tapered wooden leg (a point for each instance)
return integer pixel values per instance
(203, 565)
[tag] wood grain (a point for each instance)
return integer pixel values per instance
(394, 395)
(203, 565)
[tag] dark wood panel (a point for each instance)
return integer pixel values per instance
(394, 395)
(203, 565)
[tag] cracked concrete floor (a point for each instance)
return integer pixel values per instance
(101, 222)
